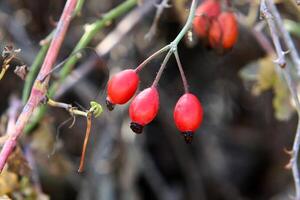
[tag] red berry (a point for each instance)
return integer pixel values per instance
(121, 87)
(208, 10)
(188, 115)
(224, 31)
(143, 109)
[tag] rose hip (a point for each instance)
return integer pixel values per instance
(207, 11)
(143, 109)
(188, 115)
(223, 32)
(121, 87)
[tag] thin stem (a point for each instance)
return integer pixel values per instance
(39, 88)
(159, 11)
(286, 36)
(274, 34)
(161, 69)
(145, 62)
(90, 31)
(85, 143)
(72, 110)
(89, 34)
(188, 23)
(173, 45)
(35, 67)
(183, 77)
(294, 160)
(292, 87)
(78, 9)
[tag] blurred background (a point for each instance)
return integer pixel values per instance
(237, 153)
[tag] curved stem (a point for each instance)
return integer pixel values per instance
(85, 143)
(173, 45)
(183, 77)
(145, 62)
(188, 23)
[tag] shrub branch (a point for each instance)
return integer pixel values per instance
(39, 88)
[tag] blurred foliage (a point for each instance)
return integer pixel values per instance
(16, 182)
(292, 26)
(262, 73)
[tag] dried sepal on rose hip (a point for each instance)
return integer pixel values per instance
(143, 109)
(121, 87)
(205, 13)
(188, 115)
(223, 32)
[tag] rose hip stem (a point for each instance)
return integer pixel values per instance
(39, 88)
(183, 77)
(172, 47)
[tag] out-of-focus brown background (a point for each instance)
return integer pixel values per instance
(238, 153)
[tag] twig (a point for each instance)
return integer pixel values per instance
(286, 36)
(274, 34)
(39, 88)
(292, 87)
(89, 34)
(159, 11)
(35, 67)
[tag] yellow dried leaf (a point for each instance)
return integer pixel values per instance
(8, 182)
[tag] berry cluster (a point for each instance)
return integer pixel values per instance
(188, 112)
(214, 26)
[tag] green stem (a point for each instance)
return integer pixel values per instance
(90, 32)
(35, 67)
(187, 25)
(173, 45)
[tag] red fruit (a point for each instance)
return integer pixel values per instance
(121, 87)
(188, 115)
(224, 31)
(143, 109)
(208, 10)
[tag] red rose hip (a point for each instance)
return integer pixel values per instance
(143, 109)
(208, 10)
(223, 32)
(188, 115)
(121, 87)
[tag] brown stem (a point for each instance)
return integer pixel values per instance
(183, 77)
(85, 143)
(161, 69)
(39, 88)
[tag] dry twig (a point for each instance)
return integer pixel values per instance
(265, 10)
